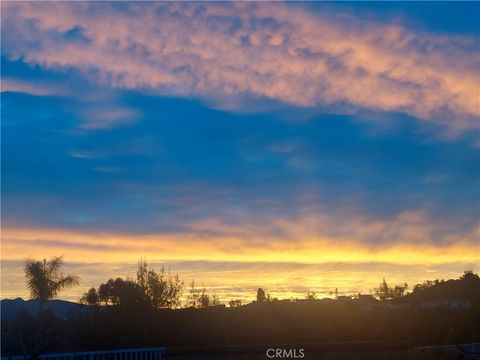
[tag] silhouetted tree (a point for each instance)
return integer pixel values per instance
(398, 291)
(384, 292)
(261, 297)
(311, 296)
(204, 299)
(235, 303)
(151, 290)
(469, 275)
(122, 293)
(193, 298)
(215, 300)
(91, 297)
(270, 298)
(163, 289)
(45, 279)
(334, 293)
(199, 298)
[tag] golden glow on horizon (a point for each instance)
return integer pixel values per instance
(94, 247)
(285, 268)
(287, 257)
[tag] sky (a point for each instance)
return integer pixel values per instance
(292, 146)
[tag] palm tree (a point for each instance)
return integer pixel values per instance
(45, 279)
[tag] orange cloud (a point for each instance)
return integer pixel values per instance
(406, 239)
(287, 257)
(213, 51)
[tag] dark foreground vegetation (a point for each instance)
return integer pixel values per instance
(130, 314)
(275, 322)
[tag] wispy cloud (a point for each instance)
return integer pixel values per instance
(225, 52)
(26, 87)
(410, 238)
(104, 117)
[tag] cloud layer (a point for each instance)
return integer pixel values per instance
(227, 52)
(313, 240)
(176, 131)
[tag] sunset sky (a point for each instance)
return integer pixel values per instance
(291, 146)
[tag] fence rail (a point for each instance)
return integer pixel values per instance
(121, 354)
(466, 351)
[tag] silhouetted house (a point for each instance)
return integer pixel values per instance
(326, 300)
(306, 301)
(430, 304)
(449, 303)
(367, 302)
(343, 298)
(367, 299)
(397, 305)
(218, 306)
(459, 304)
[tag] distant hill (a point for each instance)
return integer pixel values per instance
(61, 308)
(467, 288)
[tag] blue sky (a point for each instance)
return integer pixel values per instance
(262, 163)
(353, 122)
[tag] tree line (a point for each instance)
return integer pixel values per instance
(156, 289)
(128, 313)
(161, 289)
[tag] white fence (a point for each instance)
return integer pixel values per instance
(470, 351)
(463, 351)
(123, 354)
